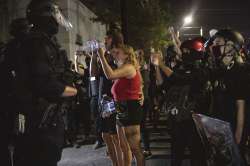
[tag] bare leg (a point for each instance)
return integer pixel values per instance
(126, 152)
(111, 148)
(133, 137)
(118, 149)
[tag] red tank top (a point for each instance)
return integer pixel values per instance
(127, 89)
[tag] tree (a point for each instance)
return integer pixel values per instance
(148, 24)
(147, 20)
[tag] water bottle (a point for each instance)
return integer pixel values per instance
(92, 46)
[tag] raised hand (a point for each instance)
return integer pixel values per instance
(171, 30)
(156, 59)
(101, 52)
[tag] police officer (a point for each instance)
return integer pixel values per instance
(43, 89)
(18, 30)
(185, 87)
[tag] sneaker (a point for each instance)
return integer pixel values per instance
(98, 145)
(68, 144)
(147, 154)
(78, 145)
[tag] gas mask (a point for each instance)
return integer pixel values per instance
(224, 55)
(228, 61)
(217, 51)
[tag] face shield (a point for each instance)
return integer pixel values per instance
(61, 19)
(46, 15)
(49, 10)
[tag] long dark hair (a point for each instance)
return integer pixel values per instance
(117, 38)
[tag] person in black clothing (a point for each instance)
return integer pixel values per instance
(83, 112)
(145, 73)
(18, 29)
(107, 125)
(41, 87)
(230, 83)
(184, 95)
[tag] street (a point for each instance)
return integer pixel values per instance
(86, 156)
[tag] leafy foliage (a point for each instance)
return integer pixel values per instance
(147, 20)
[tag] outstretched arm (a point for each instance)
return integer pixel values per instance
(157, 61)
(125, 71)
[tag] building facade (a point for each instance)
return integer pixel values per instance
(77, 13)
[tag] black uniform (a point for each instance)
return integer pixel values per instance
(8, 115)
(9, 104)
(230, 86)
(186, 89)
(41, 69)
(108, 125)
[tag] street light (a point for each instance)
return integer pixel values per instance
(188, 20)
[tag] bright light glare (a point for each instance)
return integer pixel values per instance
(188, 20)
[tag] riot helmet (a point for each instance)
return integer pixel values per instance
(227, 48)
(192, 52)
(231, 35)
(19, 27)
(45, 14)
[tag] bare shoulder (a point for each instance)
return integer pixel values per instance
(130, 69)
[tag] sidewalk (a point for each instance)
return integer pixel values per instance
(86, 156)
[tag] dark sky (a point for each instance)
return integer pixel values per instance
(215, 13)
(210, 14)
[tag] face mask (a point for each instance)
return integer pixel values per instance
(118, 63)
(228, 54)
(54, 27)
(216, 51)
(48, 25)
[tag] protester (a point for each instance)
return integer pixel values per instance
(145, 71)
(201, 86)
(82, 110)
(127, 92)
(183, 98)
(230, 82)
(106, 119)
(9, 114)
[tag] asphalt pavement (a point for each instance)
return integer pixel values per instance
(160, 147)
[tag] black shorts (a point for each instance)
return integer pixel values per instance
(129, 113)
(108, 125)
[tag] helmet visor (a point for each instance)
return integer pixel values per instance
(61, 19)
